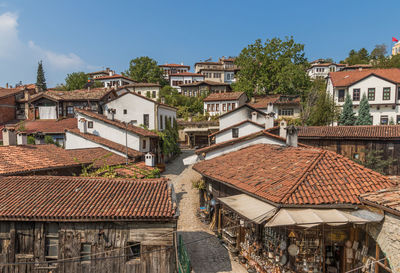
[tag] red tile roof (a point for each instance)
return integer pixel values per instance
(294, 176)
(236, 125)
(99, 157)
(386, 199)
(348, 78)
(94, 94)
(187, 74)
(30, 158)
(141, 84)
(108, 143)
(174, 65)
(136, 170)
(131, 128)
(6, 92)
(52, 198)
(115, 76)
(48, 126)
(350, 132)
(224, 96)
(262, 102)
(205, 83)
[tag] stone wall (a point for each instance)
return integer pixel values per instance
(387, 235)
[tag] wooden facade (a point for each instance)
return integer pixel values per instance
(356, 148)
(77, 247)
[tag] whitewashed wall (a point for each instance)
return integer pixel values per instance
(245, 129)
(166, 113)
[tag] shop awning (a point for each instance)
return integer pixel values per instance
(249, 207)
(313, 217)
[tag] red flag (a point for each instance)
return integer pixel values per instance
(394, 40)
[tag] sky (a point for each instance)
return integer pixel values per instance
(86, 35)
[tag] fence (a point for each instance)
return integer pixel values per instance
(183, 258)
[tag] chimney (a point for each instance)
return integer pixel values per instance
(111, 113)
(163, 100)
(83, 125)
(22, 138)
(292, 133)
(269, 120)
(282, 129)
(254, 116)
(6, 85)
(9, 137)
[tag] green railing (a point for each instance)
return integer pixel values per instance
(183, 257)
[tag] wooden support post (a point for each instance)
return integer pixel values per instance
(377, 258)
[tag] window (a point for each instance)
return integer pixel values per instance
(125, 111)
(161, 122)
(386, 93)
(235, 132)
(86, 250)
(356, 94)
(286, 112)
(341, 95)
(224, 107)
(144, 144)
(233, 106)
(51, 241)
(398, 119)
(398, 93)
(217, 107)
(70, 110)
(212, 107)
(132, 251)
(146, 120)
(229, 107)
(90, 124)
(60, 110)
(384, 120)
(371, 94)
(208, 108)
(154, 94)
(148, 94)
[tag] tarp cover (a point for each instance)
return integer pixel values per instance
(249, 207)
(47, 112)
(191, 160)
(313, 217)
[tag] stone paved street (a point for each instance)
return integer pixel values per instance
(206, 253)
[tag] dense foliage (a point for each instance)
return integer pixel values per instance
(272, 67)
(364, 116)
(40, 78)
(169, 138)
(347, 116)
(145, 69)
(187, 106)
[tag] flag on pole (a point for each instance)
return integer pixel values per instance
(394, 40)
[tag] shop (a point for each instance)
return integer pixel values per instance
(298, 240)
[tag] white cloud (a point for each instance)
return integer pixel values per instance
(20, 58)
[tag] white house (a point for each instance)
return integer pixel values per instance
(320, 69)
(96, 130)
(149, 90)
(175, 80)
(381, 86)
(220, 103)
(169, 69)
(114, 80)
(283, 106)
(139, 110)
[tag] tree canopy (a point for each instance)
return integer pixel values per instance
(357, 57)
(145, 69)
(76, 80)
(41, 79)
(272, 67)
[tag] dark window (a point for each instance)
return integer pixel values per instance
(235, 132)
(70, 110)
(341, 95)
(224, 107)
(398, 93)
(132, 251)
(356, 94)
(161, 122)
(371, 94)
(146, 120)
(51, 241)
(384, 120)
(125, 111)
(398, 119)
(386, 93)
(154, 94)
(90, 124)
(144, 144)
(86, 250)
(148, 94)
(286, 112)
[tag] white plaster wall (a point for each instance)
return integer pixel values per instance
(142, 90)
(245, 129)
(220, 111)
(136, 107)
(166, 112)
(241, 145)
(234, 118)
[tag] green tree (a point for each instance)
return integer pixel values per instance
(40, 79)
(318, 109)
(389, 62)
(347, 117)
(76, 80)
(357, 57)
(272, 67)
(379, 52)
(170, 138)
(364, 117)
(145, 69)
(31, 140)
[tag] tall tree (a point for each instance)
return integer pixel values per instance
(76, 80)
(145, 69)
(272, 67)
(40, 79)
(379, 52)
(364, 117)
(347, 117)
(357, 57)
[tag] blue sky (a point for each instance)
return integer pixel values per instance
(88, 35)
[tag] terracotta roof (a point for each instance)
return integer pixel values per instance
(187, 74)
(108, 143)
(142, 84)
(348, 78)
(349, 132)
(29, 158)
(224, 96)
(386, 198)
(48, 126)
(115, 76)
(74, 95)
(230, 142)
(6, 92)
(244, 105)
(236, 125)
(131, 128)
(294, 176)
(136, 170)
(325, 64)
(211, 63)
(141, 96)
(205, 83)
(98, 156)
(39, 198)
(174, 65)
(262, 102)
